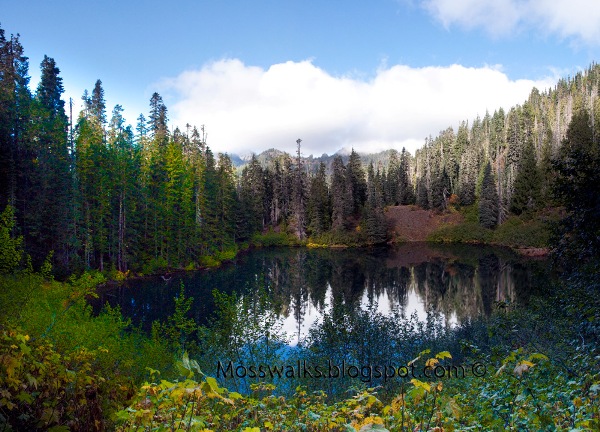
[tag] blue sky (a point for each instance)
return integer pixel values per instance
(259, 74)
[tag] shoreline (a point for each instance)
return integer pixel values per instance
(524, 251)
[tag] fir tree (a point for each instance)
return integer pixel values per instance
(527, 185)
(341, 196)
(51, 216)
(406, 194)
(225, 202)
(299, 196)
(318, 207)
(576, 187)
(393, 180)
(124, 170)
(157, 122)
(15, 100)
(422, 193)
(488, 201)
(358, 184)
(373, 217)
(253, 195)
(469, 170)
(97, 103)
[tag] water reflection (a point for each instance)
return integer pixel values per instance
(457, 282)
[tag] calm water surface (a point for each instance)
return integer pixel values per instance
(459, 282)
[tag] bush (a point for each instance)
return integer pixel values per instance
(209, 261)
(44, 388)
(226, 255)
(519, 232)
(338, 238)
(525, 392)
(11, 249)
(466, 232)
(60, 365)
(155, 265)
(516, 231)
(272, 238)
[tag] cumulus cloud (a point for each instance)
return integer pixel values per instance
(249, 109)
(574, 19)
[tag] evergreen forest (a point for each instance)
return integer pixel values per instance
(87, 199)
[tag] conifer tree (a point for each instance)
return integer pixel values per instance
(422, 193)
(93, 164)
(197, 159)
(124, 170)
(318, 207)
(15, 100)
(226, 198)
(253, 195)
(279, 186)
(527, 185)
(157, 121)
(469, 171)
(373, 217)
(51, 216)
(210, 212)
(299, 196)
(488, 201)
(97, 103)
(393, 180)
(406, 194)
(576, 187)
(179, 213)
(341, 196)
(358, 184)
(440, 185)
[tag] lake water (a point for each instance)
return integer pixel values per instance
(458, 282)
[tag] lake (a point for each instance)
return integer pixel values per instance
(458, 282)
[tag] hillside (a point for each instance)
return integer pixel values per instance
(413, 224)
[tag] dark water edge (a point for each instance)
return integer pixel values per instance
(457, 281)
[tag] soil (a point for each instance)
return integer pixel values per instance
(413, 224)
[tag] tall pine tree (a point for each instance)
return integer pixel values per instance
(488, 200)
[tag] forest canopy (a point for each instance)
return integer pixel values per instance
(98, 193)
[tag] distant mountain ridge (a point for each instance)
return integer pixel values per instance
(267, 157)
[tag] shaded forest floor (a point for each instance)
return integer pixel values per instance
(413, 224)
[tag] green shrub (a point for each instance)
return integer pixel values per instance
(517, 231)
(155, 265)
(11, 249)
(272, 238)
(61, 365)
(226, 255)
(466, 232)
(209, 261)
(339, 238)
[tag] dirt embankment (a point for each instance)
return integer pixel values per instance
(411, 223)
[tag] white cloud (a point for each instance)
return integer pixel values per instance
(247, 108)
(575, 19)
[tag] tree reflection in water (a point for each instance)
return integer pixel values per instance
(457, 282)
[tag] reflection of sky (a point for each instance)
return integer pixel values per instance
(312, 314)
(456, 289)
(383, 302)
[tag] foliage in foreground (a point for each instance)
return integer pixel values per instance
(511, 399)
(57, 374)
(540, 367)
(61, 366)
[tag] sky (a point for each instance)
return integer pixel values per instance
(259, 74)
